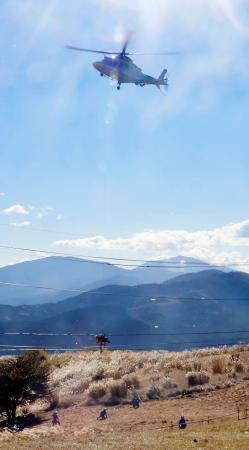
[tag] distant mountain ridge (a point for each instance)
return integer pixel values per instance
(189, 303)
(75, 273)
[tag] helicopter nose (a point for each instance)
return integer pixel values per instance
(97, 65)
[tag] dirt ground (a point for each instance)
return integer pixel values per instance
(151, 423)
(216, 405)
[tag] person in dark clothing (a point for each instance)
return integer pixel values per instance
(136, 401)
(103, 414)
(182, 423)
(102, 340)
(55, 418)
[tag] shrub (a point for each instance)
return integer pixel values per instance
(218, 365)
(169, 383)
(131, 381)
(153, 393)
(82, 386)
(99, 375)
(239, 366)
(57, 361)
(97, 391)
(117, 375)
(197, 366)
(21, 379)
(54, 401)
(118, 389)
(197, 378)
(66, 402)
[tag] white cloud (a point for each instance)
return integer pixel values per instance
(44, 211)
(2, 194)
(59, 217)
(16, 209)
(24, 223)
(229, 243)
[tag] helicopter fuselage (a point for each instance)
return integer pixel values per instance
(122, 69)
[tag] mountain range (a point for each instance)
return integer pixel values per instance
(69, 274)
(189, 304)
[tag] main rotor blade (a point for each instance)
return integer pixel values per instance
(126, 42)
(88, 50)
(80, 49)
(155, 54)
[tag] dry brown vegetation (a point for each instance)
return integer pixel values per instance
(82, 382)
(111, 377)
(230, 435)
(197, 378)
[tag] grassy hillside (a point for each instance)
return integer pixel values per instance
(111, 377)
(169, 385)
(228, 435)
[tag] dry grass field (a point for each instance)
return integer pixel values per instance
(208, 384)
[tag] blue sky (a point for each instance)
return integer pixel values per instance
(130, 173)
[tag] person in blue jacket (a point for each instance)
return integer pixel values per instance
(103, 414)
(182, 422)
(135, 401)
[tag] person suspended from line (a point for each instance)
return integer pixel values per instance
(55, 418)
(103, 415)
(102, 340)
(182, 423)
(136, 400)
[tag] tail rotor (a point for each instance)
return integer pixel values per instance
(162, 80)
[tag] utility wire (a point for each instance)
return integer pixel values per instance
(5, 347)
(150, 264)
(185, 263)
(86, 333)
(145, 296)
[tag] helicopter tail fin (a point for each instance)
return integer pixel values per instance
(162, 80)
(162, 76)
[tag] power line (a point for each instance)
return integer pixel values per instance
(148, 264)
(5, 347)
(145, 296)
(88, 333)
(71, 257)
(184, 263)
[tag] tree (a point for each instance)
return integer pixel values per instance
(21, 379)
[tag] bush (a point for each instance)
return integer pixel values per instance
(22, 379)
(118, 389)
(117, 375)
(218, 365)
(169, 383)
(57, 401)
(96, 391)
(57, 361)
(66, 402)
(197, 366)
(197, 378)
(153, 393)
(54, 401)
(82, 386)
(99, 375)
(131, 381)
(239, 366)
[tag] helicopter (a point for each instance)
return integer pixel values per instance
(120, 67)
